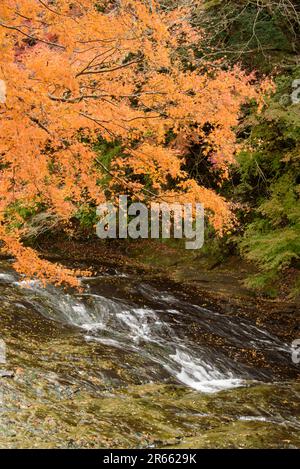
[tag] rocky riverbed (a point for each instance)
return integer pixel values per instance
(132, 361)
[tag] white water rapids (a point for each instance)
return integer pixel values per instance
(142, 321)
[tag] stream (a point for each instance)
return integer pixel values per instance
(128, 362)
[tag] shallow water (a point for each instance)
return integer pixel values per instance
(131, 363)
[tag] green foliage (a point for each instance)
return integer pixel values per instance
(106, 152)
(272, 240)
(87, 217)
(215, 249)
(19, 213)
(258, 34)
(269, 183)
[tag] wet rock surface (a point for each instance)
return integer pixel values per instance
(130, 363)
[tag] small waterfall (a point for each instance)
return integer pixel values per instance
(153, 327)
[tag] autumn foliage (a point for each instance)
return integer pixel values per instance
(127, 72)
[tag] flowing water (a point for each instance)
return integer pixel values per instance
(127, 362)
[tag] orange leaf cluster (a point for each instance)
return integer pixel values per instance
(73, 69)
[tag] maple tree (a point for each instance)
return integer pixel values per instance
(76, 71)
